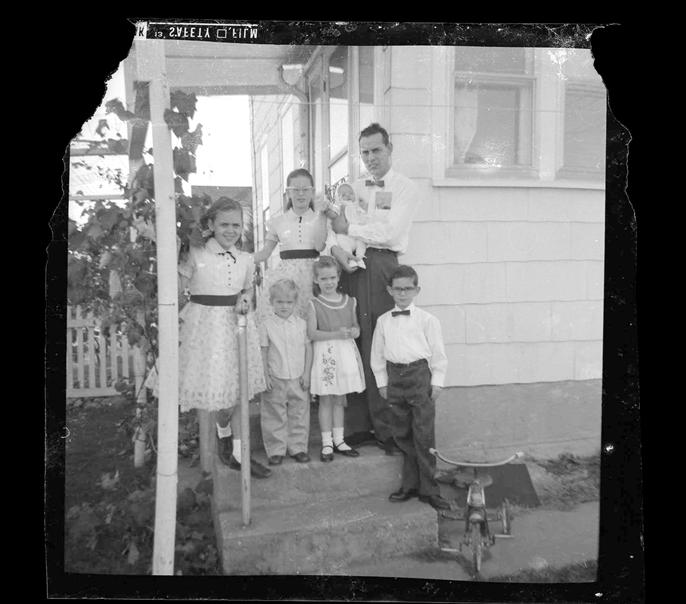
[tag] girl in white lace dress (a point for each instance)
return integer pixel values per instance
(219, 278)
(301, 233)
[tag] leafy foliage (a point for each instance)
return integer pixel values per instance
(110, 506)
(112, 263)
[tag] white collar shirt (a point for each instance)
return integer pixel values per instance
(383, 226)
(286, 340)
(405, 339)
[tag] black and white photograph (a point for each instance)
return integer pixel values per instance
(336, 314)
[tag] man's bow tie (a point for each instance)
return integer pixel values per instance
(395, 313)
(229, 253)
(373, 183)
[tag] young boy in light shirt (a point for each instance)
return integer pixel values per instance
(409, 364)
(287, 358)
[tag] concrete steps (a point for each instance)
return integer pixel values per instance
(293, 483)
(324, 537)
(318, 518)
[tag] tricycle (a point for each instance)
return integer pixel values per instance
(477, 533)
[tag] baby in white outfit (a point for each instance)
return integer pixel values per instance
(346, 202)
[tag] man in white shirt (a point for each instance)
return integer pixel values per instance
(392, 202)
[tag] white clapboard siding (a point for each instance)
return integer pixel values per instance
(96, 358)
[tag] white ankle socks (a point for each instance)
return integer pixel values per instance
(338, 440)
(326, 439)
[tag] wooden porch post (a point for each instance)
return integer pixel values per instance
(152, 67)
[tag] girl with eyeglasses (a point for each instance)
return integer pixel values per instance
(301, 233)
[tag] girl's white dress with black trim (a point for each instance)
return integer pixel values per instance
(208, 353)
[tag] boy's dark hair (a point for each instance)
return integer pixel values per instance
(375, 128)
(402, 271)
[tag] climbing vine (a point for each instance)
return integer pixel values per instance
(112, 258)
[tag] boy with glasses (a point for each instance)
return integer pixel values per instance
(409, 364)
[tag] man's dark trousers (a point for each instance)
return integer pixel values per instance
(412, 414)
(367, 410)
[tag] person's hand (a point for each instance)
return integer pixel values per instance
(354, 333)
(268, 381)
(344, 258)
(305, 381)
(345, 332)
(435, 392)
(383, 392)
(243, 303)
(340, 224)
(320, 202)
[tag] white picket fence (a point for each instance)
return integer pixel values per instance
(97, 358)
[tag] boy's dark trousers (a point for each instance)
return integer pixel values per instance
(411, 416)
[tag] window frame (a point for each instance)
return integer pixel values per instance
(567, 173)
(519, 81)
(546, 153)
(320, 142)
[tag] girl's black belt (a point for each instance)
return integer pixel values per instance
(291, 254)
(215, 300)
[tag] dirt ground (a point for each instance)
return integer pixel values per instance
(109, 504)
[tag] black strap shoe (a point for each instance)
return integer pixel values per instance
(350, 452)
(275, 460)
(257, 470)
(403, 495)
(325, 457)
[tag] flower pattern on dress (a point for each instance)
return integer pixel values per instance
(328, 366)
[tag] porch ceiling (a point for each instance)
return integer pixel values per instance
(211, 68)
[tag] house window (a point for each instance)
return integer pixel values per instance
(492, 109)
(584, 131)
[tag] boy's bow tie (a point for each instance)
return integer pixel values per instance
(373, 183)
(395, 313)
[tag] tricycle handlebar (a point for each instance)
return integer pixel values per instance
(470, 464)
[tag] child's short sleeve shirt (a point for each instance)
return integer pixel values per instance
(286, 340)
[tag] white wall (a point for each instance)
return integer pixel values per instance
(514, 273)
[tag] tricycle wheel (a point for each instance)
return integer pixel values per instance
(506, 517)
(477, 547)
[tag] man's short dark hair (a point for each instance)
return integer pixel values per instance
(373, 129)
(402, 271)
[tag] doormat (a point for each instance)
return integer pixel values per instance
(511, 482)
